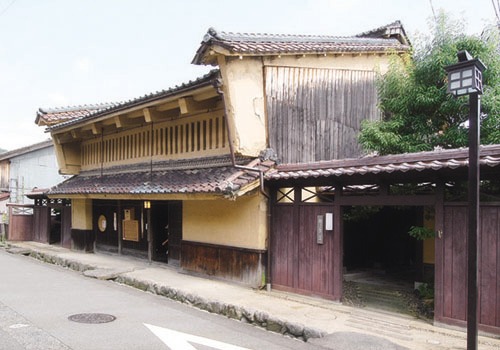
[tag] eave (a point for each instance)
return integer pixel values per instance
(197, 98)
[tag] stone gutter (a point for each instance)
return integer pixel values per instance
(243, 314)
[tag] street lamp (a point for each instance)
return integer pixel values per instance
(466, 78)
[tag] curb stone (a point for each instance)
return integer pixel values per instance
(251, 316)
(247, 315)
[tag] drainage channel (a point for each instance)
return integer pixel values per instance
(92, 318)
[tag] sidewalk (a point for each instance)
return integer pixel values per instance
(318, 321)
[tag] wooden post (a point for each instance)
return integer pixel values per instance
(338, 232)
(119, 218)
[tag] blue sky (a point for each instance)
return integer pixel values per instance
(56, 53)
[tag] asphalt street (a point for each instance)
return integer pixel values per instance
(36, 300)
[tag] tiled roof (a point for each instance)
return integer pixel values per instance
(73, 115)
(52, 116)
(393, 38)
(208, 176)
(394, 29)
(392, 164)
(26, 149)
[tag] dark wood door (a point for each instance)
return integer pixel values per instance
(299, 262)
(41, 224)
(451, 268)
(166, 220)
(66, 227)
(175, 231)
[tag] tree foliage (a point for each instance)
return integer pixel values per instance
(417, 112)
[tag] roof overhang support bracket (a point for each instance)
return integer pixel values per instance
(187, 105)
(151, 115)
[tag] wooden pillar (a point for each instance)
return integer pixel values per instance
(439, 251)
(119, 218)
(338, 239)
(149, 234)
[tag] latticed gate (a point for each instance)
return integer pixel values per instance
(52, 221)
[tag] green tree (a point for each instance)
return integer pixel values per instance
(417, 112)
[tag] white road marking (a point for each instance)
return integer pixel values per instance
(19, 325)
(181, 341)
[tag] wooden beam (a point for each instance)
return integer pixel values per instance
(386, 200)
(122, 121)
(56, 138)
(95, 128)
(187, 105)
(151, 115)
(167, 106)
(119, 121)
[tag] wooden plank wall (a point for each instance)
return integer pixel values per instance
(489, 268)
(298, 263)
(66, 227)
(451, 294)
(235, 264)
(315, 114)
(20, 226)
(41, 224)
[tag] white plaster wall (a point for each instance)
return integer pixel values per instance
(244, 98)
(370, 62)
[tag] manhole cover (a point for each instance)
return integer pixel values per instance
(92, 318)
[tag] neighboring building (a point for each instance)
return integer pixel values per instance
(26, 168)
(23, 171)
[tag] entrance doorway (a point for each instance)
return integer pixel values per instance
(166, 223)
(382, 261)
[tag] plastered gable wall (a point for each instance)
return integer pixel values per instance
(244, 99)
(244, 89)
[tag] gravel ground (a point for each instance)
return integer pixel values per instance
(416, 306)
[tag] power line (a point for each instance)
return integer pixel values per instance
(496, 8)
(434, 12)
(7, 7)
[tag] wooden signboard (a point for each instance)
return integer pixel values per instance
(131, 230)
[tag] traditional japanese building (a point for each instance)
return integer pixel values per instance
(247, 172)
(177, 175)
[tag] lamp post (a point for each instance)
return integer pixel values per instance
(465, 78)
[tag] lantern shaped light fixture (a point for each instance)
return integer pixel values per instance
(466, 76)
(147, 205)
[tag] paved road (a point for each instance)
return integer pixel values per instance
(36, 300)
